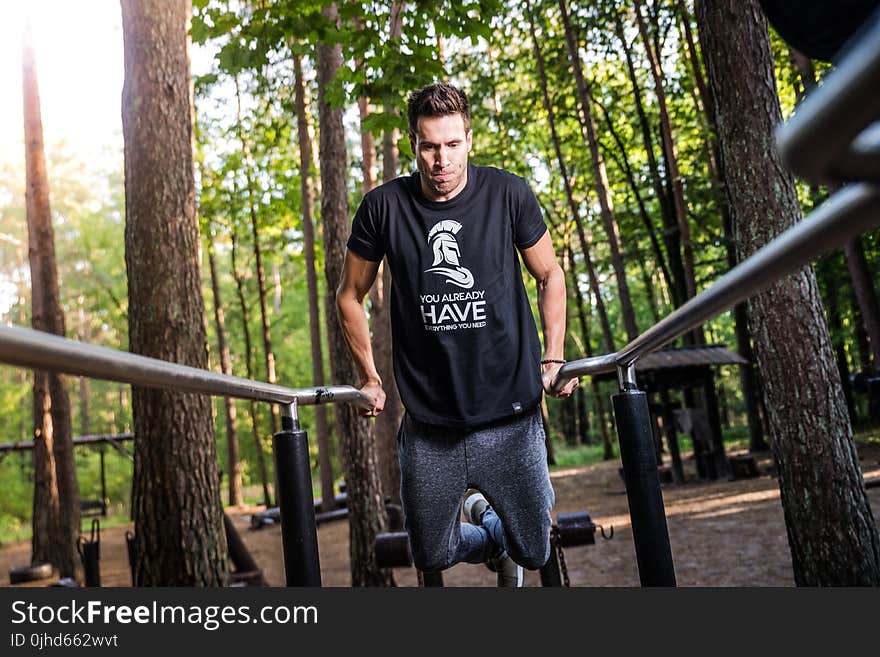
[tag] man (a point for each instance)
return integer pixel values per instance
(466, 350)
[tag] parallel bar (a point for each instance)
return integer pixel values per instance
(91, 439)
(817, 141)
(44, 351)
(849, 212)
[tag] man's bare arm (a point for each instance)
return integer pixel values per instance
(358, 275)
(540, 260)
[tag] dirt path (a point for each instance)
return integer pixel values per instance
(724, 533)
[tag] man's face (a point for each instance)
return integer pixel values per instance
(441, 146)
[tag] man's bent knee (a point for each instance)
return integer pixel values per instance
(531, 560)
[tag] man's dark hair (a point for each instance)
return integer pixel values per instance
(437, 100)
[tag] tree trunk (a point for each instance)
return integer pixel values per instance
(177, 505)
(699, 92)
(866, 295)
(357, 441)
(307, 192)
(600, 180)
(671, 157)
(249, 368)
(388, 421)
(569, 194)
(258, 255)
(671, 235)
(824, 270)
(56, 513)
(233, 473)
(597, 395)
(831, 532)
(647, 222)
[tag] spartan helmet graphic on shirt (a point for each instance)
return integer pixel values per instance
(441, 239)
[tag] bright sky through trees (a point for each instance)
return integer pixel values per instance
(78, 48)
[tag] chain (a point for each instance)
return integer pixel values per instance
(557, 539)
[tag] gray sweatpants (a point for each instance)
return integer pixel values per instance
(506, 461)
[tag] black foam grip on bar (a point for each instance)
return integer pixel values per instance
(392, 550)
(576, 529)
(299, 534)
(650, 534)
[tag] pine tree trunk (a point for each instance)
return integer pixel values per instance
(249, 368)
(357, 441)
(56, 513)
(585, 332)
(600, 179)
(831, 531)
(866, 295)
(671, 234)
(177, 505)
(647, 222)
(671, 156)
(388, 421)
(569, 194)
(258, 255)
(307, 193)
(233, 473)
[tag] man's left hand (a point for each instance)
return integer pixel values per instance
(548, 376)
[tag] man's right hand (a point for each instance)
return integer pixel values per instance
(373, 390)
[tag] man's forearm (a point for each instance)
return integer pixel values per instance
(551, 306)
(356, 330)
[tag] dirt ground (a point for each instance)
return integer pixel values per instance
(723, 533)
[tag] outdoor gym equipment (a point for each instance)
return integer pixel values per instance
(571, 529)
(90, 554)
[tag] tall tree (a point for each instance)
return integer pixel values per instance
(671, 152)
(246, 159)
(307, 192)
(569, 192)
(831, 531)
(249, 364)
(671, 233)
(357, 441)
(176, 498)
(388, 421)
(601, 186)
(56, 513)
(233, 473)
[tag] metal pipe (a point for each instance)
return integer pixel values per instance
(849, 212)
(44, 351)
(817, 142)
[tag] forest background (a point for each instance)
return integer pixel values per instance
(645, 84)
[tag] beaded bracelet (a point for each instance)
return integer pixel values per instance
(547, 361)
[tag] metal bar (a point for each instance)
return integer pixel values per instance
(44, 351)
(817, 141)
(849, 212)
(91, 439)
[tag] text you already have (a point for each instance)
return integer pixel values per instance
(454, 310)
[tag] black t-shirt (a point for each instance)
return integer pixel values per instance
(465, 344)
